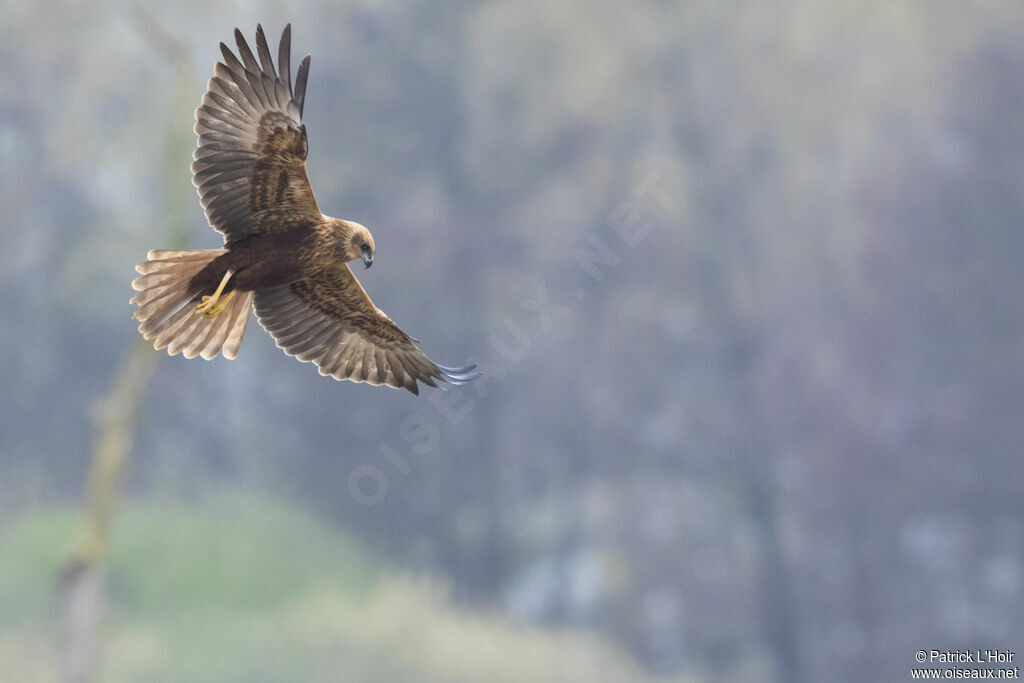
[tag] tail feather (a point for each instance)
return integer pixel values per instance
(215, 333)
(167, 327)
(167, 314)
(236, 329)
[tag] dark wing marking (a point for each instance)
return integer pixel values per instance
(329, 319)
(250, 164)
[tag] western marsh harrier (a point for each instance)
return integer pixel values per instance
(281, 255)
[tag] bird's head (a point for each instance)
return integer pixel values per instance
(358, 243)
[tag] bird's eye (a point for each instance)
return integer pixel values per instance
(366, 248)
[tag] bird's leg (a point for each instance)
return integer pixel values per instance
(212, 305)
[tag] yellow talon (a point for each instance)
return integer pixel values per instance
(218, 305)
(212, 305)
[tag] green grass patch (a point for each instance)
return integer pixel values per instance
(33, 550)
(249, 589)
(238, 554)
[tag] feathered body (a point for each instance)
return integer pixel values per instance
(276, 258)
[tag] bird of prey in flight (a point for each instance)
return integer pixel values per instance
(281, 256)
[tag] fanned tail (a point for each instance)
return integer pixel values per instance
(167, 314)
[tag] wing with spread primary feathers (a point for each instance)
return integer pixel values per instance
(329, 320)
(250, 165)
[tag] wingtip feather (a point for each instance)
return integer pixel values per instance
(300, 83)
(264, 51)
(284, 57)
(459, 376)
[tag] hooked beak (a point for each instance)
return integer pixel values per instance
(367, 260)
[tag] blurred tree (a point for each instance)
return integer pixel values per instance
(117, 412)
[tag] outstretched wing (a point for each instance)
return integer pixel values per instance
(250, 165)
(329, 319)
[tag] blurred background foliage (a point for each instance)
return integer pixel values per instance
(773, 433)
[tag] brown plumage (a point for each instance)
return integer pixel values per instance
(281, 255)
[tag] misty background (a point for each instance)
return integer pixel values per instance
(744, 278)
